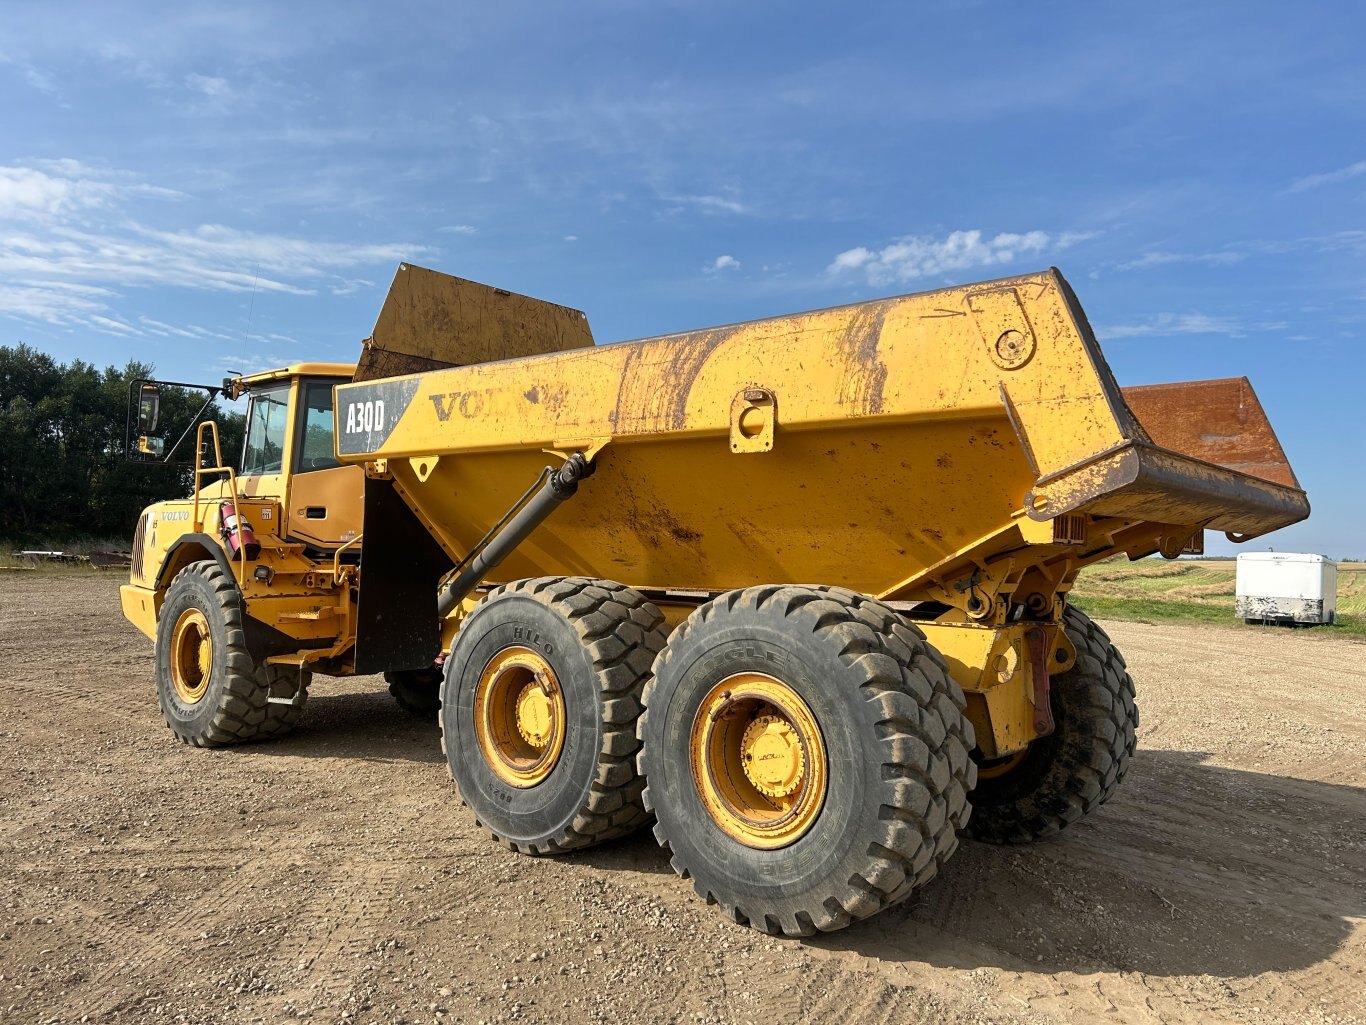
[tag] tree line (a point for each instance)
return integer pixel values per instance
(64, 471)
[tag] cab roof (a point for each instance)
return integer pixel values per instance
(346, 370)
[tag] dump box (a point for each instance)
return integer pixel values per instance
(889, 446)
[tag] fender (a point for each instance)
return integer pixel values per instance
(210, 547)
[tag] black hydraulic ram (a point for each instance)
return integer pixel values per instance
(545, 496)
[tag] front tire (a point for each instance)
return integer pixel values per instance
(807, 757)
(1065, 776)
(539, 706)
(207, 683)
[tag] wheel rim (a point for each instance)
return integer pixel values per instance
(191, 656)
(519, 718)
(758, 760)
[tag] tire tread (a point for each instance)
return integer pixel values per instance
(1106, 717)
(925, 745)
(243, 713)
(624, 632)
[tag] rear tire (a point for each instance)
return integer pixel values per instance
(1065, 776)
(207, 683)
(563, 776)
(417, 691)
(888, 759)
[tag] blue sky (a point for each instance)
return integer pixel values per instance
(232, 185)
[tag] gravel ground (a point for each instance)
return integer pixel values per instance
(333, 877)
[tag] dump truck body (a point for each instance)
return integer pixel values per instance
(967, 447)
(795, 587)
(882, 445)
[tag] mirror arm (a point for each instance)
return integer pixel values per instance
(213, 394)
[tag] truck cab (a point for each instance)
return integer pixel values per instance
(289, 454)
(280, 521)
(252, 584)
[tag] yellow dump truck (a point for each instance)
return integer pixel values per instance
(795, 589)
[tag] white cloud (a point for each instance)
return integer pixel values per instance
(352, 286)
(251, 362)
(27, 193)
(851, 259)
(213, 88)
(162, 329)
(70, 243)
(50, 302)
(158, 327)
(1342, 174)
(193, 331)
(459, 229)
(571, 238)
(1175, 324)
(35, 77)
(1351, 239)
(711, 204)
(60, 189)
(113, 326)
(918, 256)
(722, 263)
(1217, 258)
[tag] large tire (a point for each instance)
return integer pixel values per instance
(598, 639)
(1065, 776)
(417, 691)
(217, 698)
(894, 740)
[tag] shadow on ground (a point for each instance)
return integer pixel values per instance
(365, 725)
(1192, 869)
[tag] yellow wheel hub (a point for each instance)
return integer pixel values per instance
(772, 756)
(535, 715)
(519, 718)
(191, 656)
(758, 760)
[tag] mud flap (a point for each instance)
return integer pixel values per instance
(397, 626)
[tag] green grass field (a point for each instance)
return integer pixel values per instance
(1195, 591)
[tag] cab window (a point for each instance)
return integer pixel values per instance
(267, 424)
(316, 449)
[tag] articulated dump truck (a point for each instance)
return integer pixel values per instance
(795, 591)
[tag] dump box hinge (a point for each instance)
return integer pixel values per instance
(1005, 329)
(753, 419)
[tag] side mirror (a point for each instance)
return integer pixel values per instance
(145, 439)
(149, 412)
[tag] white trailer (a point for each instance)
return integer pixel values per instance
(1286, 587)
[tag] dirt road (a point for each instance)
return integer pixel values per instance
(333, 877)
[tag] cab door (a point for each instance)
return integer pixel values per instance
(326, 499)
(266, 448)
